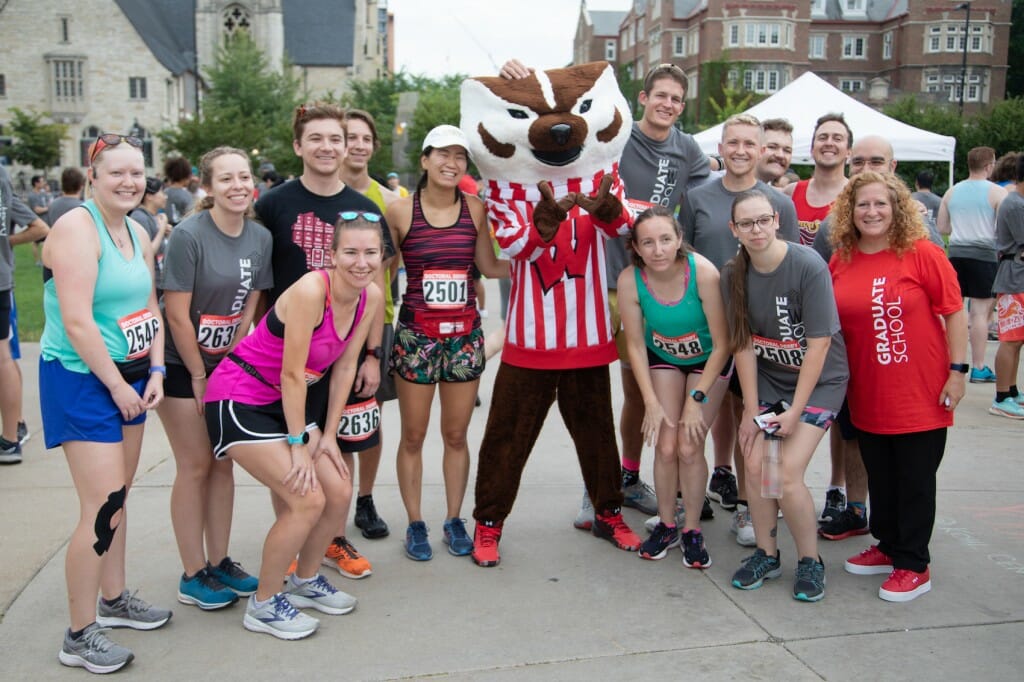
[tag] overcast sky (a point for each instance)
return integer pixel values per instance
(475, 37)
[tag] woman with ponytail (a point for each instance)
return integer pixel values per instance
(216, 266)
(791, 360)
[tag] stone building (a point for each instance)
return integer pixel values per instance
(136, 65)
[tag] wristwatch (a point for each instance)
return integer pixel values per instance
(961, 367)
(298, 440)
(699, 396)
(375, 352)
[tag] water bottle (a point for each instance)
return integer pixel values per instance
(771, 474)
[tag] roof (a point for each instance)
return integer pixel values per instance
(606, 23)
(168, 29)
(683, 8)
(319, 32)
(875, 10)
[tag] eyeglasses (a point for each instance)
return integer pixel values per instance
(764, 222)
(112, 140)
(349, 216)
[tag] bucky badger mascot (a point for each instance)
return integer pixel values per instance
(548, 146)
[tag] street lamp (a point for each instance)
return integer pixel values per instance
(963, 65)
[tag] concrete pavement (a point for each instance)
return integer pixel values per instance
(562, 605)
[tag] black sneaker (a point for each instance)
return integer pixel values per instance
(10, 453)
(707, 512)
(810, 580)
(23, 434)
(722, 488)
(367, 520)
(835, 503)
(757, 568)
(695, 554)
(656, 546)
(848, 524)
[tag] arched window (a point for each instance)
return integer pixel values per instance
(235, 19)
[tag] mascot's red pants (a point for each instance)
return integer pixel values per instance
(519, 405)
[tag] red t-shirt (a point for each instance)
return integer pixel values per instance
(808, 217)
(889, 309)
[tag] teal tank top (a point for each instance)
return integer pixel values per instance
(118, 305)
(678, 333)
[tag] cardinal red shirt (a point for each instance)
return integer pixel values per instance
(889, 309)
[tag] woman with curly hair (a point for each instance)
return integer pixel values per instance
(441, 232)
(892, 285)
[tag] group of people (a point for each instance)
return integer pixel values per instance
(727, 323)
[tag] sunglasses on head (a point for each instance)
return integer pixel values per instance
(112, 140)
(349, 216)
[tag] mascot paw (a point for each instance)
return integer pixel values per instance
(604, 206)
(548, 213)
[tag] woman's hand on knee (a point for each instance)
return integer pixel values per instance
(328, 447)
(301, 475)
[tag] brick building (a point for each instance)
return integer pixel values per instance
(875, 50)
(135, 65)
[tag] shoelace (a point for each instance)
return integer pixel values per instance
(759, 564)
(97, 639)
(210, 581)
(134, 605)
(232, 568)
(488, 537)
(616, 523)
(283, 607)
(419, 535)
(808, 571)
(458, 528)
(321, 584)
(345, 547)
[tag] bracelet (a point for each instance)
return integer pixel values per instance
(158, 368)
(198, 376)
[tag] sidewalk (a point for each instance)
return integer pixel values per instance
(562, 605)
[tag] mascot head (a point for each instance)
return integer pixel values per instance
(555, 125)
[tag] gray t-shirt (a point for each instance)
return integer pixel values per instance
(708, 210)
(61, 205)
(1010, 240)
(179, 203)
(823, 245)
(654, 173)
(220, 271)
(13, 211)
(785, 307)
(38, 200)
(931, 201)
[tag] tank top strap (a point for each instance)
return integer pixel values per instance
(465, 217)
(417, 212)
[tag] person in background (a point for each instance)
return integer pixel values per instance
(1005, 172)
(151, 215)
(395, 185)
(103, 344)
(39, 201)
(905, 328)
(778, 150)
(1009, 289)
(72, 182)
(178, 175)
(923, 185)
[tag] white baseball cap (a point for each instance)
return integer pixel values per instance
(445, 136)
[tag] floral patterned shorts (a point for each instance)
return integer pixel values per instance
(422, 359)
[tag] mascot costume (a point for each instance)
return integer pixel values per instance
(548, 147)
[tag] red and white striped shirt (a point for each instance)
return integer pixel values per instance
(558, 307)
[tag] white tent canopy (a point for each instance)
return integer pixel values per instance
(809, 97)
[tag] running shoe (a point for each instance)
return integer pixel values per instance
(835, 503)
(455, 536)
(128, 611)
(707, 512)
(872, 561)
(341, 555)
(93, 651)
(279, 618)
(661, 539)
(23, 433)
(318, 594)
(233, 576)
(743, 527)
(485, 543)
(722, 488)
(985, 375)
(10, 453)
(695, 554)
(612, 527)
(367, 519)
(1008, 407)
(640, 496)
(848, 524)
(755, 569)
(810, 580)
(585, 516)
(905, 585)
(205, 591)
(417, 547)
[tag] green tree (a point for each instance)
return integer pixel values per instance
(439, 103)
(35, 143)
(247, 105)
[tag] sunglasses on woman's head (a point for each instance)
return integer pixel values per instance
(349, 216)
(112, 140)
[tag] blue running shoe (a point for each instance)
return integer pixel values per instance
(279, 618)
(810, 580)
(455, 536)
(234, 577)
(205, 591)
(417, 547)
(757, 568)
(983, 376)
(1009, 407)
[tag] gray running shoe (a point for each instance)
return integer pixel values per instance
(755, 569)
(320, 595)
(10, 453)
(23, 433)
(585, 517)
(93, 651)
(130, 612)
(640, 496)
(810, 580)
(278, 618)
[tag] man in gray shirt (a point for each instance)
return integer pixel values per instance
(929, 199)
(72, 181)
(1009, 290)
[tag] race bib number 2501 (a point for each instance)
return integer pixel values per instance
(446, 289)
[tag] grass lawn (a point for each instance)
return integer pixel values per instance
(28, 293)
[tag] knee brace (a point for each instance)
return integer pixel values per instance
(103, 527)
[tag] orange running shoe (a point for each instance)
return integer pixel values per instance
(344, 557)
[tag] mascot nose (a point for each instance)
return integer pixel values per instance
(561, 132)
